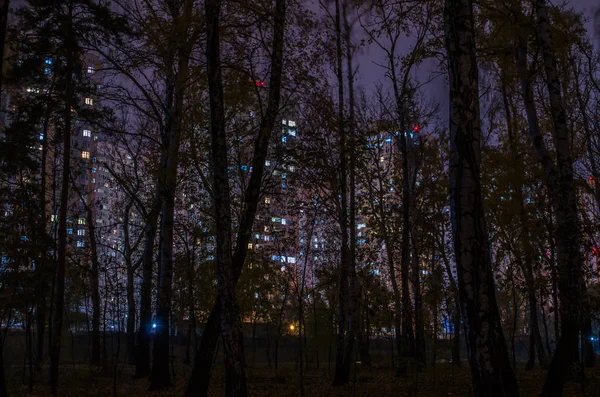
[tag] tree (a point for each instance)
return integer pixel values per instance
(223, 318)
(560, 181)
(490, 365)
(178, 59)
(70, 55)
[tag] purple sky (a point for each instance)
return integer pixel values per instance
(370, 74)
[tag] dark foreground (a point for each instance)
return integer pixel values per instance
(443, 380)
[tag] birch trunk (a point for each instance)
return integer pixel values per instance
(490, 365)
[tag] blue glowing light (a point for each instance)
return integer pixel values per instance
(154, 325)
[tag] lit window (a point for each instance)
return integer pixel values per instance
(93, 180)
(81, 232)
(257, 236)
(283, 221)
(81, 221)
(283, 121)
(284, 185)
(96, 137)
(89, 101)
(283, 175)
(275, 220)
(249, 246)
(70, 230)
(54, 218)
(291, 259)
(283, 268)
(80, 244)
(292, 123)
(284, 139)
(267, 238)
(267, 163)
(292, 168)
(266, 228)
(94, 170)
(87, 133)
(292, 132)
(90, 69)
(85, 155)
(48, 61)
(267, 200)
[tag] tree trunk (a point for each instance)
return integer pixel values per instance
(419, 326)
(379, 208)
(198, 384)
(131, 354)
(230, 326)
(526, 265)
(407, 343)
(589, 356)
(351, 259)
(341, 375)
(559, 178)
(59, 285)
(160, 378)
(42, 273)
(456, 323)
(142, 362)
(490, 365)
(3, 392)
(434, 336)
(456, 336)
(94, 287)
(191, 308)
(4, 8)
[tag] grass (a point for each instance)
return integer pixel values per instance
(441, 380)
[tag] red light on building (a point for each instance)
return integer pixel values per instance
(416, 128)
(258, 83)
(591, 178)
(595, 250)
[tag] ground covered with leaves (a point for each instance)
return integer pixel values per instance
(441, 380)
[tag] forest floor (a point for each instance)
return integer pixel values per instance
(443, 380)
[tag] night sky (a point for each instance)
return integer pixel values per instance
(370, 73)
